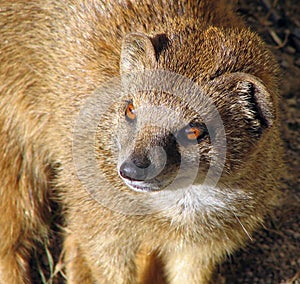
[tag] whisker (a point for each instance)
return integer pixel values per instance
(244, 229)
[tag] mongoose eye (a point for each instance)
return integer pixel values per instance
(130, 112)
(192, 133)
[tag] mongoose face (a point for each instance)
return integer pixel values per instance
(153, 148)
(173, 138)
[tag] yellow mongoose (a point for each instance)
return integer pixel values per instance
(157, 214)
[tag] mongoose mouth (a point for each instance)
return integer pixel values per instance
(141, 186)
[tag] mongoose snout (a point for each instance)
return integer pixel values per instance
(152, 161)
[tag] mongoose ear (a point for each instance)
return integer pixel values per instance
(137, 53)
(251, 96)
(255, 100)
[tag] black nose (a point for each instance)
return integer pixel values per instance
(135, 169)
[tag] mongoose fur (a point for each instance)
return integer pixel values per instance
(53, 56)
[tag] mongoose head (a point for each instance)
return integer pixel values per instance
(164, 136)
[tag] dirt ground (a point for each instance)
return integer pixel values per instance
(274, 254)
(273, 257)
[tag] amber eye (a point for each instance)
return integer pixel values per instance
(193, 133)
(130, 113)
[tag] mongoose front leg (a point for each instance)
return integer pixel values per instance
(103, 264)
(187, 265)
(77, 269)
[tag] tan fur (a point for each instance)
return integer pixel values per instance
(150, 267)
(53, 55)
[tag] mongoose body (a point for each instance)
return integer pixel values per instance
(54, 56)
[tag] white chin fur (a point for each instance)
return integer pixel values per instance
(187, 202)
(182, 203)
